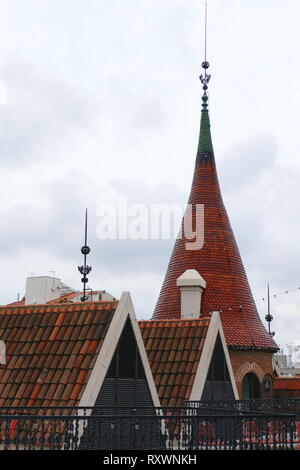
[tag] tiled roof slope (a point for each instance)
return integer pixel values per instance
(64, 298)
(50, 351)
(218, 262)
(287, 387)
(174, 350)
(287, 383)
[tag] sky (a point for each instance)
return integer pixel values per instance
(101, 100)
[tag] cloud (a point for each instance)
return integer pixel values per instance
(38, 110)
(261, 193)
(51, 234)
(247, 161)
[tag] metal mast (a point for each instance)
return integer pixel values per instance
(85, 270)
(269, 317)
(204, 78)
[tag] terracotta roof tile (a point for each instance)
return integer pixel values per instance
(174, 365)
(155, 367)
(49, 357)
(287, 383)
(58, 392)
(19, 378)
(80, 358)
(75, 392)
(74, 374)
(87, 362)
(81, 377)
(92, 346)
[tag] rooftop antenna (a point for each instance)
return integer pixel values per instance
(204, 78)
(269, 317)
(85, 270)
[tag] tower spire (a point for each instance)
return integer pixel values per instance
(205, 150)
(218, 261)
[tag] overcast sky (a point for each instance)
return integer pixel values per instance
(101, 99)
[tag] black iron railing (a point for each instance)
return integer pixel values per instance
(269, 406)
(214, 425)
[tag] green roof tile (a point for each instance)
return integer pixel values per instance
(205, 142)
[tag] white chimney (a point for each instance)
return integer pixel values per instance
(191, 286)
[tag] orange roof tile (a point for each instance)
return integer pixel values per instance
(287, 383)
(175, 367)
(48, 355)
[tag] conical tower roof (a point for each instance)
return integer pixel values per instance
(218, 261)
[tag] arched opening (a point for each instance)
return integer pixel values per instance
(250, 387)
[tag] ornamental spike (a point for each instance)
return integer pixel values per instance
(205, 77)
(85, 269)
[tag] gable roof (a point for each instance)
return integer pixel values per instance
(218, 261)
(179, 353)
(124, 311)
(51, 351)
(58, 355)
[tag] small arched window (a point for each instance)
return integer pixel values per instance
(251, 387)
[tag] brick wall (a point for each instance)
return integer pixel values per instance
(257, 362)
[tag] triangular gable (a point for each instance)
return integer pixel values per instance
(124, 312)
(215, 332)
(180, 353)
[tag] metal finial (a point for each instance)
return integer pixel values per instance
(204, 78)
(269, 317)
(85, 270)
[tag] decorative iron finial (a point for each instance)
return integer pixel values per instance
(269, 317)
(85, 270)
(204, 78)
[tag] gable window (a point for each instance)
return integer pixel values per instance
(218, 384)
(125, 383)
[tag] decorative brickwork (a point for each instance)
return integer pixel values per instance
(246, 369)
(256, 362)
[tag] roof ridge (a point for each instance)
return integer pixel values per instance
(184, 321)
(6, 308)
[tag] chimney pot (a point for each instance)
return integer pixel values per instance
(191, 285)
